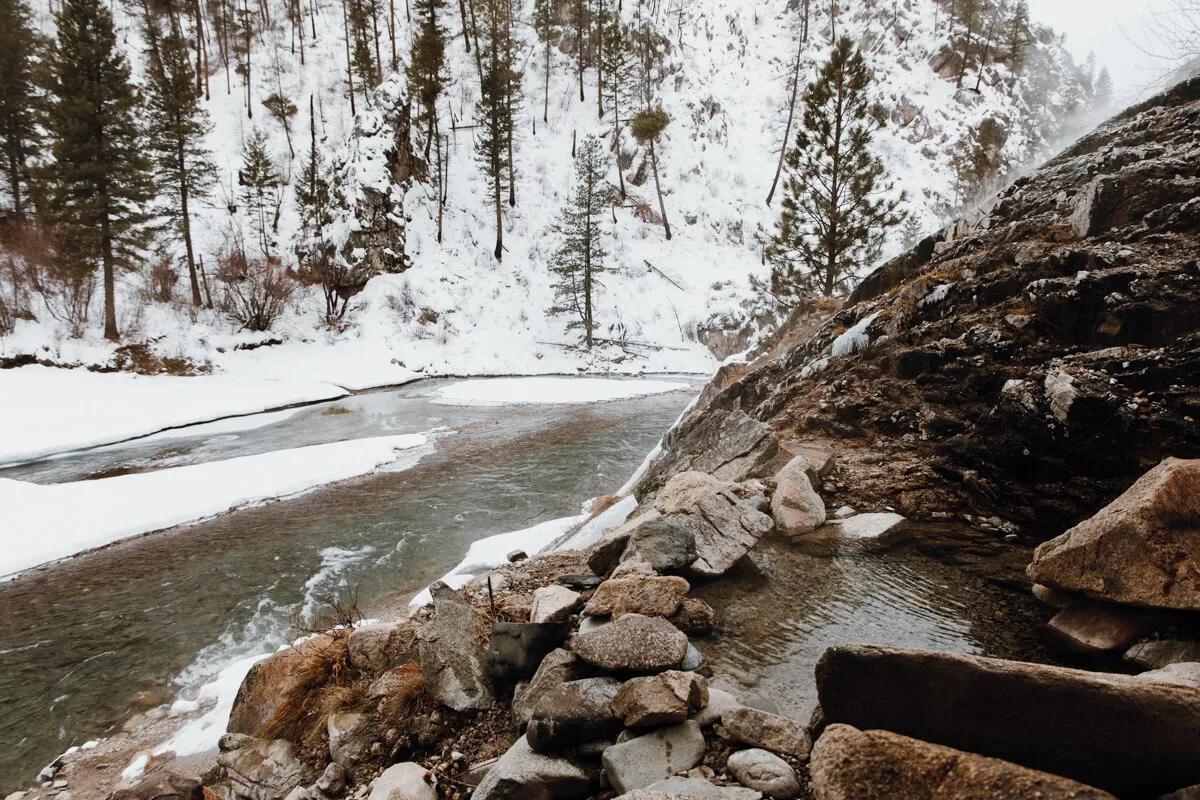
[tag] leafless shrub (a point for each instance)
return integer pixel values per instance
(403, 304)
(255, 292)
(161, 278)
(340, 282)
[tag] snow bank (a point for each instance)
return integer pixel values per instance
(508, 391)
(202, 733)
(47, 410)
(484, 554)
(602, 523)
(44, 523)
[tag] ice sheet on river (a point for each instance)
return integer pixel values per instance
(505, 391)
(44, 523)
(47, 410)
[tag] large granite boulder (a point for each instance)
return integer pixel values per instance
(379, 646)
(522, 774)
(262, 769)
(574, 714)
(268, 682)
(640, 762)
(726, 443)
(553, 603)
(724, 518)
(632, 642)
(557, 668)
(769, 731)
(796, 506)
(1161, 652)
(1143, 548)
(849, 764)
(766, 772)
(649, 594)
(1116, 732)
(666, 544)
(454, 652)
(664, 699)
(405, 781)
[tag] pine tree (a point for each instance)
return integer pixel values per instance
(580, 258)
(832, 220)
(259, 179)
(977, 158)
(1017, 35)
(18, 128)
(426, 73)
(98, 178)
(543, 22)
(648, 127)
(282, 110)
(314, 192)
(1104, 90)
(619, 80)
(493, 144)
(177, 126)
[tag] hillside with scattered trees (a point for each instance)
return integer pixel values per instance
(490, 186)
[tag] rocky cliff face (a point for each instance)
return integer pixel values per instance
(1028, 363)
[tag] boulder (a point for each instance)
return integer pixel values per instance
(632, 642)
(766, 730)
(726, 443)
(719, 701)
(725, 526)
(1162, 652)
(404, 781)
(350, 738)
(1115, 732)
(522, 774)
(573, 714)
(665, 543)
(262, 769)
(690, 789)
(694, 617)
(849, 764)
(557, 668)
(652, 595)
(332, 780)
(607, 552)
(860, 527)
(796, 507)
(664, 699)
(553, 603)
(1142, 549)
(404, 680)
(156, 786)
(1185, 673)
(642, 761)
(453, 649)
(517, 649)
(693, 659)
(267, 683)
(380, 646)
(765, 772)
(1102, 627)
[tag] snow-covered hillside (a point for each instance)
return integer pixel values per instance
(456, 309)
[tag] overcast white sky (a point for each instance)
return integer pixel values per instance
(1113, 29)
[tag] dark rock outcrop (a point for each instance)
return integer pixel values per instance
(1135, 738)
(1030, 362)
(849, 764)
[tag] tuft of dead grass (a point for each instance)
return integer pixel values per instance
(324, 679)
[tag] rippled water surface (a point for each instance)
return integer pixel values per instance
(80, 640)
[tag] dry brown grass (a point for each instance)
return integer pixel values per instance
(324, 678)
(397, 708)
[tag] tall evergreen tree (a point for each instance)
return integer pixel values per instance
(426, 73)
(833, 223)
(1104, 90)
(18, 128)
(618, 82)
(259, 178)
(177, 126)
(1017, 35)
(543, 22)
(579, 260)
(99, 178)
(314, 191)
(495, 108)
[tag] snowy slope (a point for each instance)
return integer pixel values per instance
(458, 311)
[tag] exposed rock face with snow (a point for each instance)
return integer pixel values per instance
(1027, 364)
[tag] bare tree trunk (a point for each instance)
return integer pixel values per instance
(600, 62)
(546, 100)
(579, 9)
(462, 9)
(349, 66)
(110, 292)
(661, 208)
(185, 222)
(440, 185)
(249, 91)
(787, 129)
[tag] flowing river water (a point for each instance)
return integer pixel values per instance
(87, 642)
